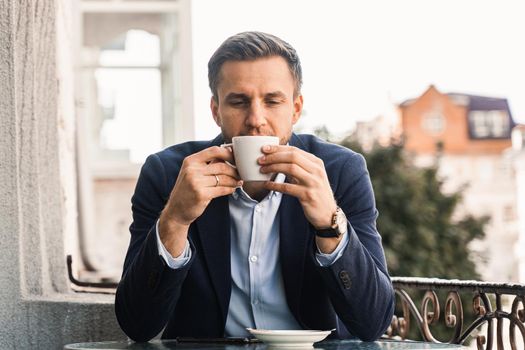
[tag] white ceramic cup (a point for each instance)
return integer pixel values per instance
(246, 151)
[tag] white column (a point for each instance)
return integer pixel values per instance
(37, 184)
(183, 71)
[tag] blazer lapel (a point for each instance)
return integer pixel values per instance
(293, 248)
(293, 243)
(214, 234)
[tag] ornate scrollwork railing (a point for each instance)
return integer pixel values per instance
(487, 309)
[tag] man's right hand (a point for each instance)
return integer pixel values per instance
(194, 189)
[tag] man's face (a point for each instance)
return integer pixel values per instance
(256, 98)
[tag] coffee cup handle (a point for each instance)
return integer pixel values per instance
(224, 145)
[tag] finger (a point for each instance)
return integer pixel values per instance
(211, 153)
(293, 155)
(287, 156)
(289, 169)
(269, 149)
(221, 168)
(288, 188)
(221, 180)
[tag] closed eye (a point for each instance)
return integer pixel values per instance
(275, 98)
(238, 102)
(274, 101)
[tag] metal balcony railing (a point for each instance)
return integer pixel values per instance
(488, 309)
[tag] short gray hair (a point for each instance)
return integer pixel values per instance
(250, 46)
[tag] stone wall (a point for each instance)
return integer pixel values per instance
(37, 184)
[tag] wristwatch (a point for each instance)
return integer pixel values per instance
(338, 227)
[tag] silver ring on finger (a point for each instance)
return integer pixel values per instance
(216, 180)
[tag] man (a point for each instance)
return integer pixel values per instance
(210, 255)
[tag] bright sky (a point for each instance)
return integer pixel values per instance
(359, 57)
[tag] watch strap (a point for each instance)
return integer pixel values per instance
(334, 230)
(328, 232)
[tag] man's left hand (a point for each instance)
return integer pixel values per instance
(307, 178)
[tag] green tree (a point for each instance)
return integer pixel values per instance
(420, 235)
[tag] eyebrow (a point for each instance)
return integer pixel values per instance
(234, 95)
(273, 94)
(276, 94)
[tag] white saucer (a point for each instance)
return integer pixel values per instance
(289, 338)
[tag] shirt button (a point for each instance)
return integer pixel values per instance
(257, 208)
(253, 258)
(255, 302)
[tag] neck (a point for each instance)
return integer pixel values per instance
(255, 190)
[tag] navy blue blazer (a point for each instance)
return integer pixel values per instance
(354, 295)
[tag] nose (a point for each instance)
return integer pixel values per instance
(256, 115)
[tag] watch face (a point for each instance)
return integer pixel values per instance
(341, 220)
(338, 227)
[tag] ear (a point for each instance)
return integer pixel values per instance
(297, 108)
(214, 106)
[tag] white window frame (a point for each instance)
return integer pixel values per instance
(434, 122)
(489, 124)
(177, 123)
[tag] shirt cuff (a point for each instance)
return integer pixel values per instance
(326, 260)
(174, 263)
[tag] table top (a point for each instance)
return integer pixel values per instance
(326, 345)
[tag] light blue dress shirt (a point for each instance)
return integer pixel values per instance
(258, 297)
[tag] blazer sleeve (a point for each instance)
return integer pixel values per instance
(148, 291)
(358, 283)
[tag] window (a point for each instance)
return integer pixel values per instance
(129, 105)
(126, 125)
(489, 124)
(433, 122)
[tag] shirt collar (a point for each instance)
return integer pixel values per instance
(278, 179)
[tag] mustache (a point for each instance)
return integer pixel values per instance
(256, 132)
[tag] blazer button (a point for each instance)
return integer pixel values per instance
(345, 279)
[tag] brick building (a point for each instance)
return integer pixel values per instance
(471, 135)
(463, 124)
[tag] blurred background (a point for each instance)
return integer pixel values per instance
(431, 92)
